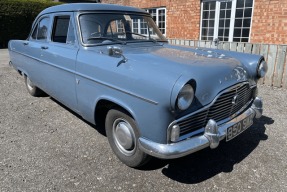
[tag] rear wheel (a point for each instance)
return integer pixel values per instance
(32, 89)
(123, 137)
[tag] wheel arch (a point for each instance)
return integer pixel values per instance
(22, 72)
(103, 105)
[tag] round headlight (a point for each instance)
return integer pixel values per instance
(262, 69)
(185, 97)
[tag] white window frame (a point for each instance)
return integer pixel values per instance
(232, 19)
(120, 29)
(157, 17)
(139, 28)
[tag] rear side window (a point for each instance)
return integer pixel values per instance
(41, 30)
(34, 34)
(63, 30)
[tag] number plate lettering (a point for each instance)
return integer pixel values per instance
(239, 127)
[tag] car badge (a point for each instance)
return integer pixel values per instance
(235, 100)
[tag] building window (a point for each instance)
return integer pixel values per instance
(120, 26)
(139, 26)
(136, 25)
(208, 20)
(224, 21)
(159, 17)
(228, 20)
(242, 20)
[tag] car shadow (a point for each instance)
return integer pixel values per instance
(207, 163)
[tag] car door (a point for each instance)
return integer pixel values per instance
(59, 56)
(34, 66)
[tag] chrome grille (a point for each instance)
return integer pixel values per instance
(221, 109)
(192, 123)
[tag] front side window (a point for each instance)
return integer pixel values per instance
(100, 28)
(63, 30)
(60, 29)
(41, 30)
(71, 37)
(228, 20)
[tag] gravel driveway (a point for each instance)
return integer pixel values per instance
(46, 147)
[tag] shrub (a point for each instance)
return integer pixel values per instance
(17, 16)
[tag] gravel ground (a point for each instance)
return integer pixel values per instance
(46, 147)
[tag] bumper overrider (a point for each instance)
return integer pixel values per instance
(213, 134)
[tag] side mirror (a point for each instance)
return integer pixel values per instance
(115, 51)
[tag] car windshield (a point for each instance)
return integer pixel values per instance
(101, 28)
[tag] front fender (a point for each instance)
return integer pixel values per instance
(250, 61)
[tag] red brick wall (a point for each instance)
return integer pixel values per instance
(183, 17)
(269, 24)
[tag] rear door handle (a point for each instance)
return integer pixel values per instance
(44, 47)
(25, 43)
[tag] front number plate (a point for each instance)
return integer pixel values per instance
(239, 127)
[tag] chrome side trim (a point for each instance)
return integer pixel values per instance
(212, 136)
(92, 79)
(118, 89)
(53, 65)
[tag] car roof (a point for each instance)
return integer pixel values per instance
(90, 7)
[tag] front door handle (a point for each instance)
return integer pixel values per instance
(26, 43)
(44, 47)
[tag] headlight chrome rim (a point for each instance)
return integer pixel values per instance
(185, 97)
(262, 69)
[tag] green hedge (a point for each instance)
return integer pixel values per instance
(17, 16)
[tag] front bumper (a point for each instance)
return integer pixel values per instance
(212, 136)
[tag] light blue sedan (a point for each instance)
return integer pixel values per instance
(111, 65)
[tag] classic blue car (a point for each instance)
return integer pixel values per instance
(111, 65)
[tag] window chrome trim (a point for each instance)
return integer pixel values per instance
(98, 12)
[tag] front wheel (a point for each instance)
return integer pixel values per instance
(123, 137)
(32, 89)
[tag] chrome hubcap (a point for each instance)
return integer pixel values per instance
(29, 84)
(124, 136)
